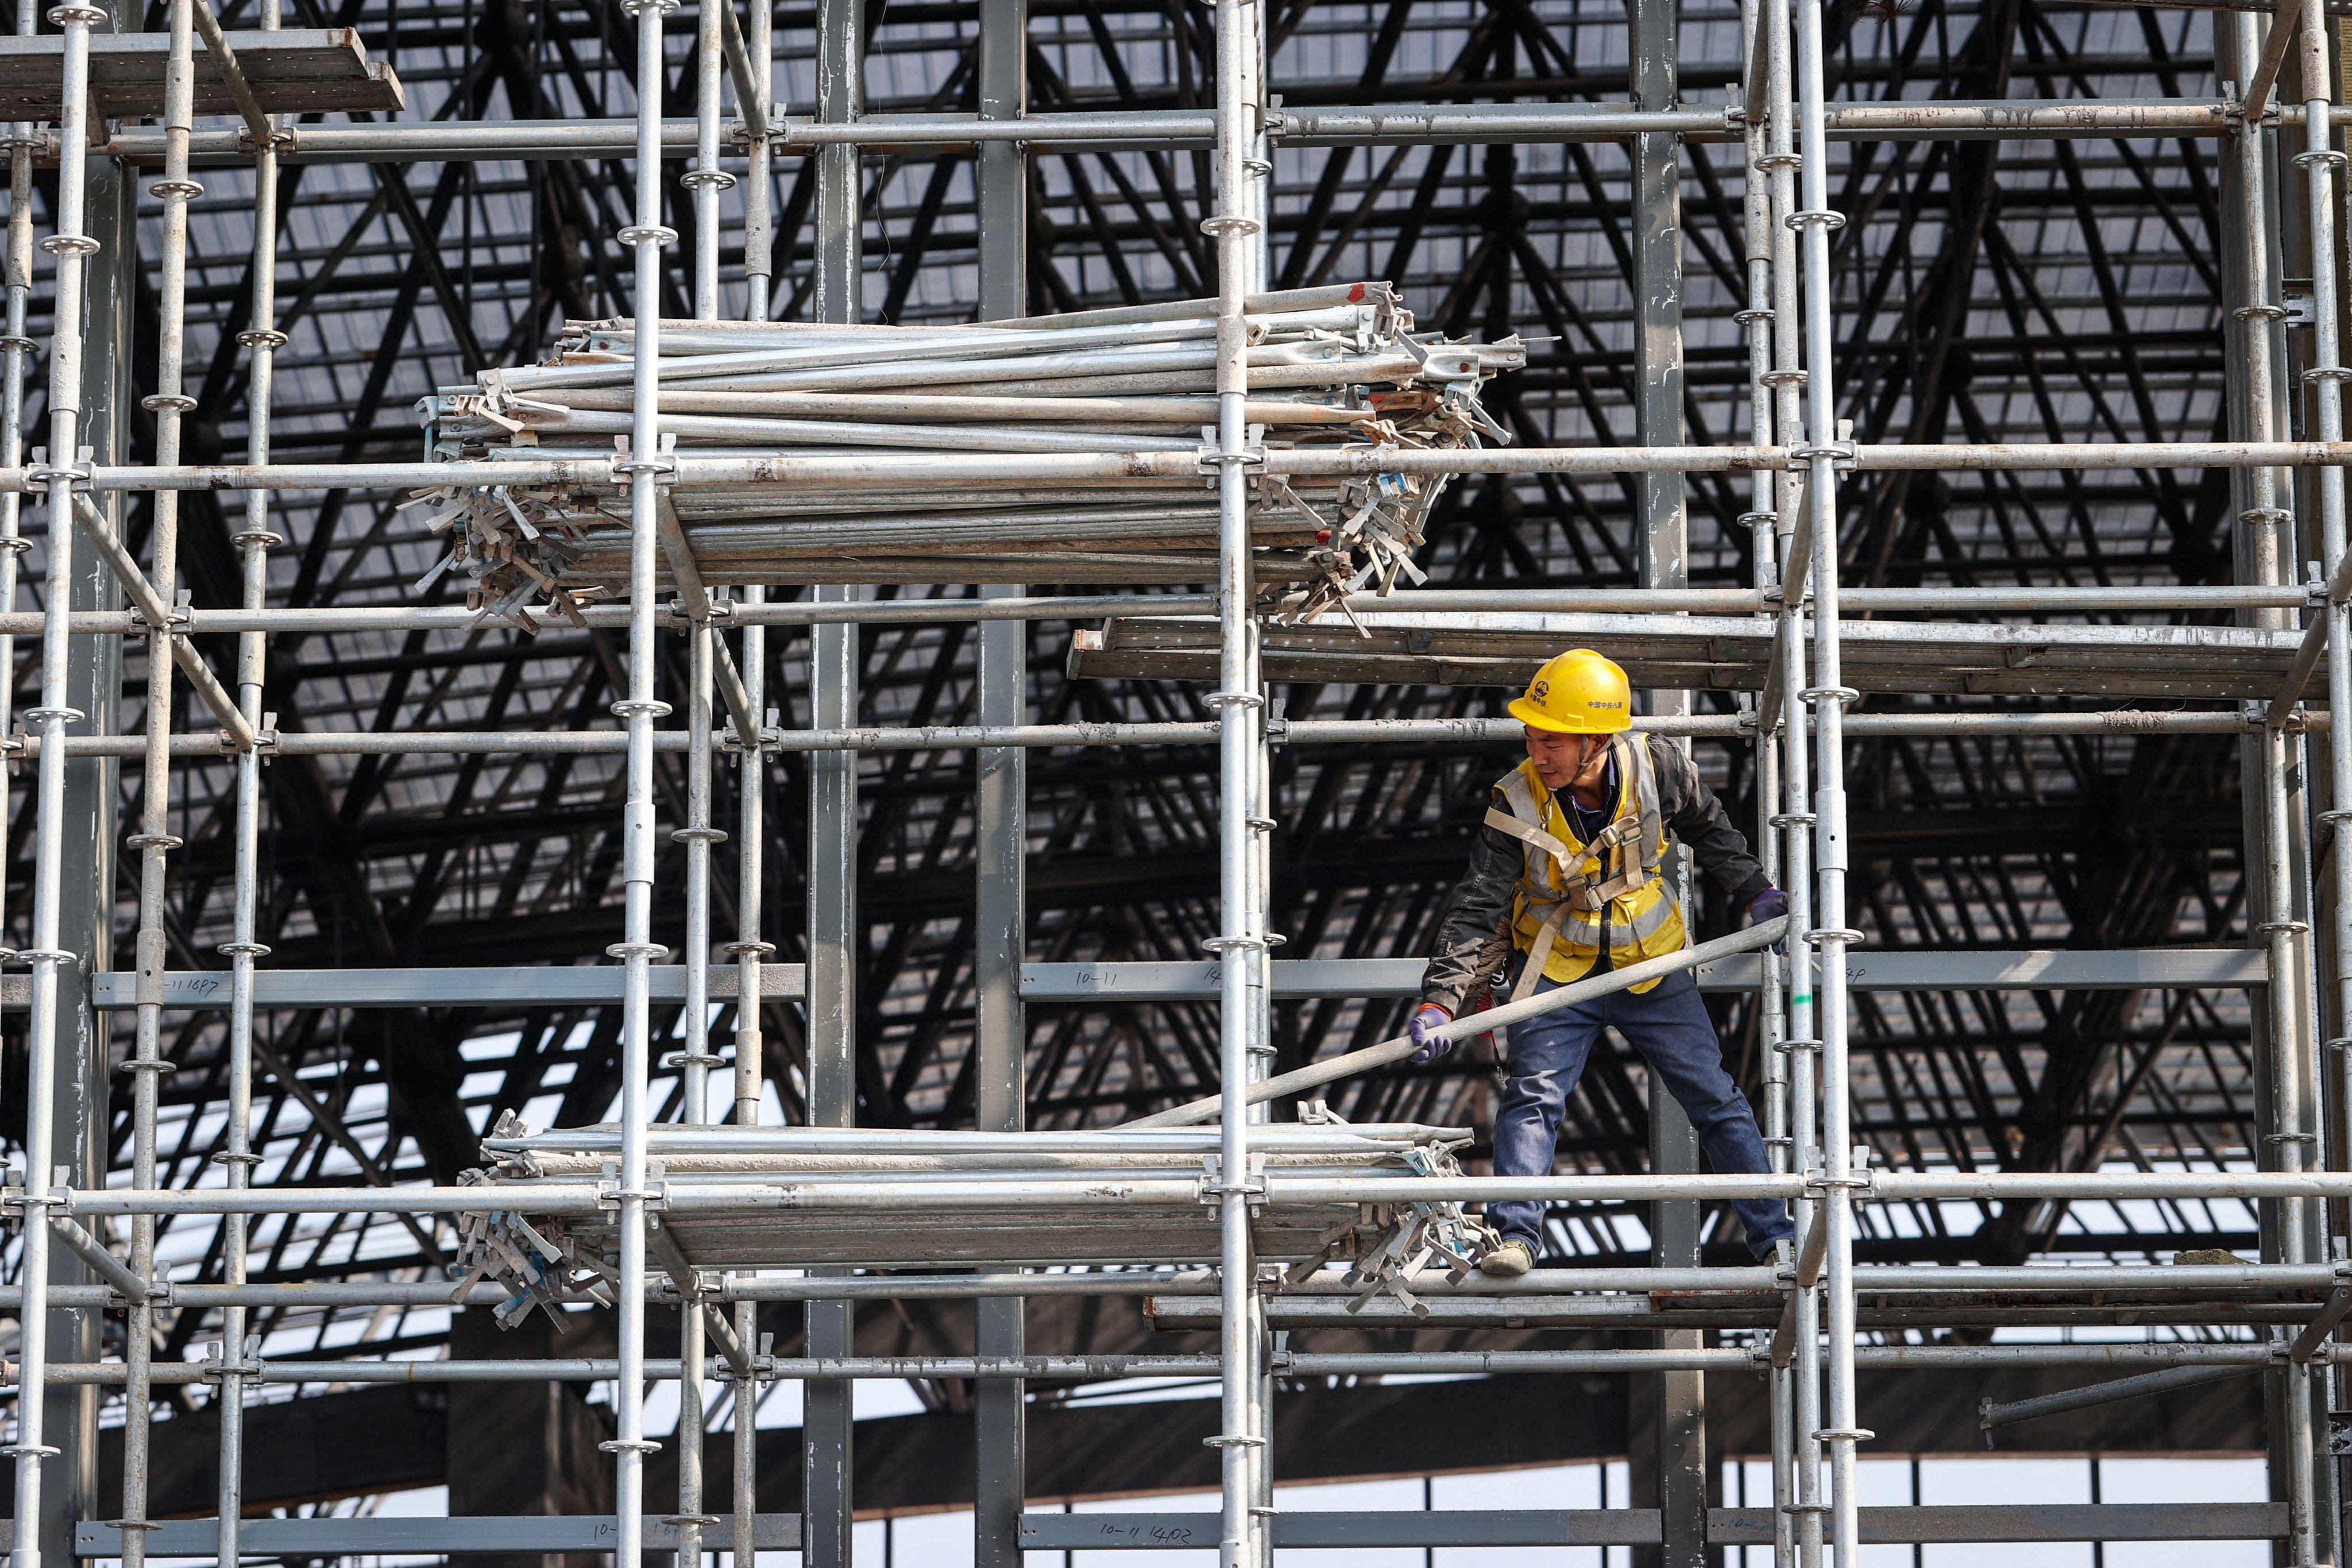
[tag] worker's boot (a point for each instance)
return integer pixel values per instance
(1509, 1260)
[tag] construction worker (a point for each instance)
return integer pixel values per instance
(1564, 883)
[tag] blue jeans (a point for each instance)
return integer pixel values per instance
(1669, 1027)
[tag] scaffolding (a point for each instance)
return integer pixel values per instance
(1258, 1226)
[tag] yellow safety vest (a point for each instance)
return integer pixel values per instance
(1566, 883)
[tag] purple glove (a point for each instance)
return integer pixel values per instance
(1768, 905)
(1426, 1017)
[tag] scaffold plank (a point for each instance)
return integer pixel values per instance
(520, 985)
(335, 1537)
(292, 72)
(1721, 653)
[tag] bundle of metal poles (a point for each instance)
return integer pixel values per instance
(1335, 367)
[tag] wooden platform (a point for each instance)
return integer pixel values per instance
(292, 72)
(2217, 664)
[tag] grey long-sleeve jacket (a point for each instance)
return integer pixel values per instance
(1474, 940)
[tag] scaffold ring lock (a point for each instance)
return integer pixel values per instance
(2325, 372)
(63, 16)
(698, 836)
(70, 245)
(2326, 160)
(1816, 695)
(1845, 1435)
(633, 1445)
(1791, 819)
(648, 234)
(648, 951)
(630, 707)
(234, 1157)
(1832, 933)
(1221, 1441)
(749, 949)
(1745, 317)
(35, 1450)
(2287, 928)
(1216, 700)
(1759, 518)
(1793, 1046)
(1829, 221)
(1820, 1507)
(2253, 515)
(2340, 1043)
(23, 345)
(164, 841)
(695, 179)
(692, 1060)
(1782, 378)
(2290, 1137)
(63, 715)
(2261, 313)
(261, 338)
(168, 403)
(243, 950)
(15, 544)
(47, 955)
(183, 190)
(1221, 227)
(1768, 162)
(1220, 943)
(135, 1065)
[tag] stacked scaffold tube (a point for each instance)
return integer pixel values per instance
(1328, 367)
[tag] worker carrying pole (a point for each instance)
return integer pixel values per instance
(1564, 883)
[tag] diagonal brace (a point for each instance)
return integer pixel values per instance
(158, 615)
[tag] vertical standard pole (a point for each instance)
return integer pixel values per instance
(1762, 518)
(244, 949)
(637, 711)
(1779, 168)
(2321, 162)
(752, 830)
(834, 946)
(1236, 944)
(1001, 823)
(1663, 557)
(707, 179)
(47, 954)
(1830, 851)
(154, 841)
(697, 1061)
(759, 197)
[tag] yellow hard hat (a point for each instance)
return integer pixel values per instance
(1578, 693)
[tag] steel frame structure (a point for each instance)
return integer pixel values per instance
(2273, 465)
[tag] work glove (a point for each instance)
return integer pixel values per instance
(1768, 905)
(1428, 1046)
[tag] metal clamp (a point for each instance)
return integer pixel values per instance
(611, 1193)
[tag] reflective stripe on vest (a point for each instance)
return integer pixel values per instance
(1566, 882)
